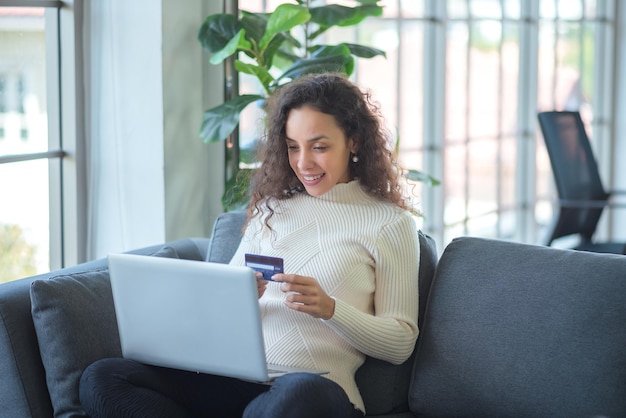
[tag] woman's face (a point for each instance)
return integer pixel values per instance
(319, 152)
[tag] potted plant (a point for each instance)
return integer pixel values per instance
(275, 48)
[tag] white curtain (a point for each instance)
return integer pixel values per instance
(124, 126)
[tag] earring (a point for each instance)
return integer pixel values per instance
(355, 158)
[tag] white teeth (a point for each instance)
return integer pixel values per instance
(307, 178)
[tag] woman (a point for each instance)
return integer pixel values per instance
(327, 199)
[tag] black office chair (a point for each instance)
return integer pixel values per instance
(582, 197)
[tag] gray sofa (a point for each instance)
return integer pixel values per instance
(507, 330)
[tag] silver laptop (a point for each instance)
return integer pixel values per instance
(191, 315)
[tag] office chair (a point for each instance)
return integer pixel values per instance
(582, 197)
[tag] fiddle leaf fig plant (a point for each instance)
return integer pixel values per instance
(276, 48)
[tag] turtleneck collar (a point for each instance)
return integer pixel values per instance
(344, 192)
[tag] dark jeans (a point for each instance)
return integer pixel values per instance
(124, 388)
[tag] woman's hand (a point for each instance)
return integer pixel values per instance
(261, 284)
(307, 296)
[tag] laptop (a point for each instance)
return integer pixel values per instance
(191, 315)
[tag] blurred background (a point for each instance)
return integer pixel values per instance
(101, 103)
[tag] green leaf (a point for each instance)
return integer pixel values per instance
(239, 41)
(283, 19)
(369, 2)
(372, 10)
(336, 15)
(254, 24)
(288, 56)
(363, 51)
(221, 121)
(335, 50)
(261, 73)
(420, 176)
(217, 30)
(288, 48)
(360, 51)
(340, 49)
(248, 154)
(339, 63)
(328, 50)
(237, 190)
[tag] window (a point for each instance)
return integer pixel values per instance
(3, 93)
(463, 81)
(575, 60)
(36, 137)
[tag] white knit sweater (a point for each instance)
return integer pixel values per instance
(365, 254)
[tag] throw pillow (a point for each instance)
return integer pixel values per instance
(225, 237)
(75, 323)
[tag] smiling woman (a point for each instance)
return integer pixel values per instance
(349, 286)
(319, 152)
(323, 130)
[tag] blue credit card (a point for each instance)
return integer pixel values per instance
(269, 266)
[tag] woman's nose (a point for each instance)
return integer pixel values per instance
(304, 160)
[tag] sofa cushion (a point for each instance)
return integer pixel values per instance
(75, 323)
(226, 235)
(384, 386)
(521, 330)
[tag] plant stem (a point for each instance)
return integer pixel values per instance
(306, 32)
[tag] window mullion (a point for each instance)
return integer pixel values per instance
(53, 99)
(434, 67)
(602, 101)
(72, 118)
(525, 174)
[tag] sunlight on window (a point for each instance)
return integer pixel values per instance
(24, 219)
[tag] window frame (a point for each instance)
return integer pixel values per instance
(66, 150)
(523, 210)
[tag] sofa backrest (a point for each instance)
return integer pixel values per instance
(226, 235)
(383, 386)
(515, 330)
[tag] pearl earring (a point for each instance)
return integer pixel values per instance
(355, 158)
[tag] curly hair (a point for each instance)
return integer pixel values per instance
(356, 115)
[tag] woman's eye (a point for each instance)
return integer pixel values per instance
(292, 147)
(319, 148)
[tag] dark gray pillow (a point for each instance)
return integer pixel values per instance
(75, 323)
(514, 330)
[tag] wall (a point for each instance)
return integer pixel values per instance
(124, 135)
(150, 176)
(193, 169)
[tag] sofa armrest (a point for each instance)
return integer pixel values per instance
(23, 391)
(186, 248)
